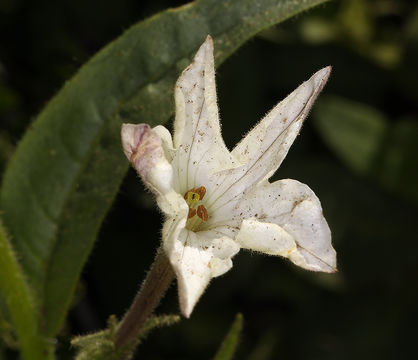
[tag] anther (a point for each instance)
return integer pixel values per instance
(192, 212)
(201, 191)
(202, 213)
(193, 198)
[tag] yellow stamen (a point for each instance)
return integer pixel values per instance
(193, 199)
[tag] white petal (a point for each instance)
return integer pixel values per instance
(143, 148)
(265, 146)
(265, 237)
(196, 259)
(197, 135)
(280, 127)
(146, 149)
(294, 208)
(313, 237)
(166, 141)
(222, 248)
(172, 204)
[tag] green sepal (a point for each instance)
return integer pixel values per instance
(101, 345)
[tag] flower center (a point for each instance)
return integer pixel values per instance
(197, 211)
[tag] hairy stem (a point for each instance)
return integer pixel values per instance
(152, 290)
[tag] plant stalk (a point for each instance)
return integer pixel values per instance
(151, 292)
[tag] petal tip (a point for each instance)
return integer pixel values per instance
(186, 313)
(209, 40)
(332, 269)
(208, 44)
(132, 135)
(186, 306)
(321, 76)
(325, 71)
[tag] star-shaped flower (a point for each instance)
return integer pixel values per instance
(217, 201)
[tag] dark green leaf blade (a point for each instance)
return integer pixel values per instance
(398, 171)
(230, 343)
(353, 130)
(369, 144)
(67, 169)
(18, 298)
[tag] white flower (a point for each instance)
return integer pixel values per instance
(217, 201)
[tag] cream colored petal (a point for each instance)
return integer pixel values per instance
(166, 141)
(313, 237)
(267, 238)
(266, 145)
(197, 258)
(295, 210)
(146, 149)
(222, 248)
(143, 148)
(172, 204)
(197, 135)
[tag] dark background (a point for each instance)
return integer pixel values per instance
(368, 310)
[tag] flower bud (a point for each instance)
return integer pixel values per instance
(142, 146)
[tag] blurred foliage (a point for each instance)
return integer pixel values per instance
(230, 343)
(370, 144)
(358, 152)
(354, 131)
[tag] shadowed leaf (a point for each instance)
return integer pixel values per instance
(365, 140)
(230, 343)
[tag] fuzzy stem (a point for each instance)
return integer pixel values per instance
(152, 290)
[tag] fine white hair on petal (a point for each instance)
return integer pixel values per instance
(267, 238)
(244, 210)
(313, 236)
(143, 149)
(196, 259)
(263, 149)
(166, 141)
(197, 138)
(294, 208)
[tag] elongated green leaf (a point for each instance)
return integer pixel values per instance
(68, 167)
(230, 343)
(399, 169)
(370, 144)
(354, 131)
(18, 298)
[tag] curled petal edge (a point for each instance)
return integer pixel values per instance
(273, 239)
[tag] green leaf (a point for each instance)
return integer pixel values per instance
(67, 169)
(370, 145)
(353, 130)
(230, 343)
(399, 163)
(17, 296)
